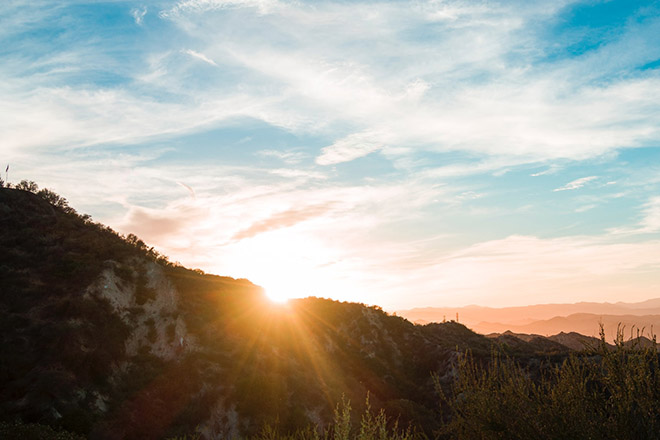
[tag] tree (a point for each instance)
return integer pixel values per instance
(28, 185)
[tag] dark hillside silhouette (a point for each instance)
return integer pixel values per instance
(104, 338)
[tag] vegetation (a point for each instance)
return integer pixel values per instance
(278, 372)
(34, 431)
(372, 426)
(602, 393)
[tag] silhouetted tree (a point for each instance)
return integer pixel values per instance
(28, 185)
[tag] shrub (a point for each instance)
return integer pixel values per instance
(604, 393)
(34, 431)
(373, 426)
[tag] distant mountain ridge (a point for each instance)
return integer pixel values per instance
(546, 319)
(587, 324)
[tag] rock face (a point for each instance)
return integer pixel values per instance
(102, 336)
(153, 319)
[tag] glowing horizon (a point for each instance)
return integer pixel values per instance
(439, 153)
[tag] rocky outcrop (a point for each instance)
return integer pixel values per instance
(148, 303)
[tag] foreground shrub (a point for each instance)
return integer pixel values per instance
(33, 431)
(372, 426)
(602, 393)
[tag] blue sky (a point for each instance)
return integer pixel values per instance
(396, 153)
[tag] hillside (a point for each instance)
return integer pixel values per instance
(102, 336)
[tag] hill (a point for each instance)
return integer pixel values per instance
(104, 337)
(546, 319)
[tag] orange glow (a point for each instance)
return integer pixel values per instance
(277, 296)
(287, 265)
(283, 285)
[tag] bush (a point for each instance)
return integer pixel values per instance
(373, 426)
(34, 431)
(604, 393)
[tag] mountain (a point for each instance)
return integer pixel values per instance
(587, 324)
(545, 319)
(102, 336)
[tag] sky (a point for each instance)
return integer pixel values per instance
(396, 153)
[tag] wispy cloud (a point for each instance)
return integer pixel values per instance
(189, 188)
(200, 56)
(651, 220)
(545, 270)
(288, 156)
(460, 101)
(518, 111)
(553, 169)
(649, 223)
(68, 118)
(468, 87)
(576, 184)
(282, 220)
(350, 148)
(138, 15)
(197, 6)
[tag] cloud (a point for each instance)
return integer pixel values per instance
(651, 212)
(428, 98)
(290, 157)
(189, 188)
(66, 117)
(649, 223)
(239, 224)
(297, 173)
(283, 220)
(527, 269)
(350, 148)
(440, 89)
(200, 56)
(576, 184)
(471, 85)
(585, 208)
(138, 15)
(199, 6)
(161, 226)
(552, 169)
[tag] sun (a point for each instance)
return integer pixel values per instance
(290, 265)
(283, 286)
(277, 296)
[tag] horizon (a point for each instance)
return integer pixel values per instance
(540, 304)
(435, 154)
